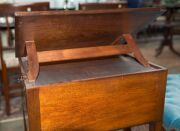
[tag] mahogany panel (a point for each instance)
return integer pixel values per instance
(81, 53)
(100, 104)
(75, 29)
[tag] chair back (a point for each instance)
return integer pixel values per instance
(100, 6)
(10, 9)
(7, 10)
(37, 6)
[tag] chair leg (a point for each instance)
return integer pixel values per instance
(6, 88)
(9, 33)
(156, 126)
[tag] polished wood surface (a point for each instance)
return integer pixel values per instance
(34, 57)
(81, 53)
(8, 10)
(95, 28)
(89, 52)
(100, 6)
(63, 40)
(105, 93)
(57, 33)
(96, 95)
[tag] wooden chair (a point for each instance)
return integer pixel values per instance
(100, 6)
(37, 6)
(5, 87)
(70, 62)
(8, 87)
(8, 10)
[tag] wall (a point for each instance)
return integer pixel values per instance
(56, 3)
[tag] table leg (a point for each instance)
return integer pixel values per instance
(172, 49)
(156, 126)
(166, 41)
(160, 49)
(168, 34)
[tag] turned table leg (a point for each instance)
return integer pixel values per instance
(156, 126)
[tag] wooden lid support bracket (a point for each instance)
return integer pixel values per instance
(33, 63)
(135, 50)
(34, 57)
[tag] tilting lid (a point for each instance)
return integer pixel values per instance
(54, 30)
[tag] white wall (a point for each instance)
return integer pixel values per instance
(55, 3)
(28, 1)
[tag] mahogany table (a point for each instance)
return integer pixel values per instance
(76, 76)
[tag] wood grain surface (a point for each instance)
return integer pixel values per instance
(99, 104)
(76, 29)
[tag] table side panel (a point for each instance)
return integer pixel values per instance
(102, 104)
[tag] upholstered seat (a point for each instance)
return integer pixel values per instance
(172, 103)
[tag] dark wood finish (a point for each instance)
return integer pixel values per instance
(169, 28)
(6, 86)
(135, 50)
(93, 101)
(100, 6)
(92, 36)
(37, 6)
(8, 10)
(89, 52)
(79, 53)
(9, 33)
(94, 27)
(33, 68)
(87, 94)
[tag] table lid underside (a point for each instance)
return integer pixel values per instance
(90, 69)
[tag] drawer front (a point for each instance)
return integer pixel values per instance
(101, 104)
